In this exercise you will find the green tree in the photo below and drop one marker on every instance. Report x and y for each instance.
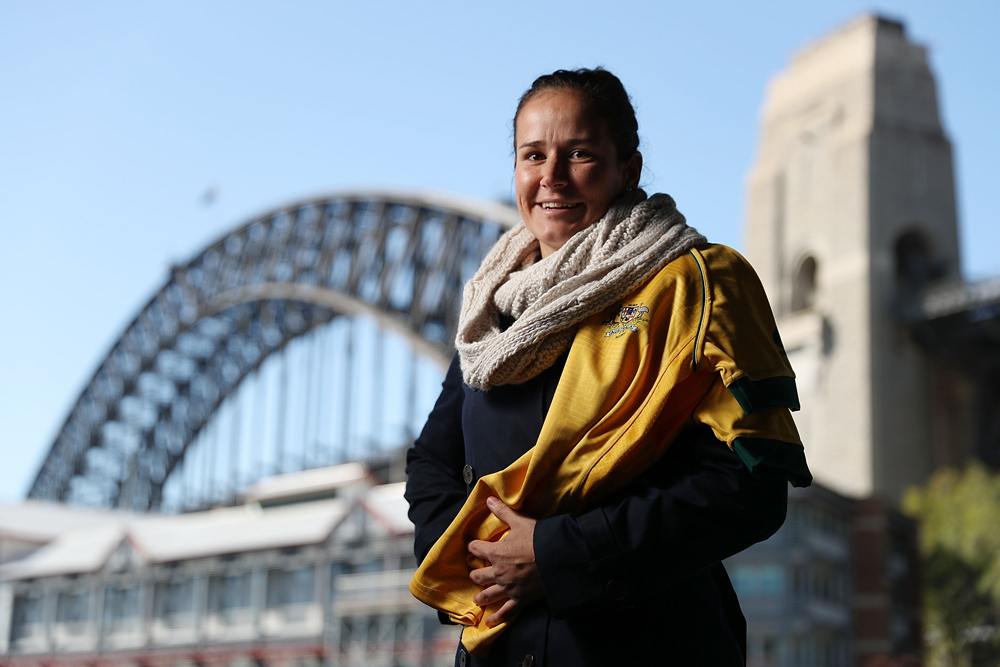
(959, 514)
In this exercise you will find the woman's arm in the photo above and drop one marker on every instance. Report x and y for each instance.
(434, 486)
(698, 505)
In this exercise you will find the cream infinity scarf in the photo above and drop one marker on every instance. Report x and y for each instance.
(548, 297)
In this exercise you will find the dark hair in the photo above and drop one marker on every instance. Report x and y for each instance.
(607, 95)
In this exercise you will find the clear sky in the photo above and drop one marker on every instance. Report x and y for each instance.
(117, 117)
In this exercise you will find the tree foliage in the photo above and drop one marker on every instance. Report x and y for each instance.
(959, 514)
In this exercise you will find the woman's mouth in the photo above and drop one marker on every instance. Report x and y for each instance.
(553, 205)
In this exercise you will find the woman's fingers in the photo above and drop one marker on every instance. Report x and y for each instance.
(511, 575)
(490, 595)
(505, 613)
(483, 576)
(480, 548)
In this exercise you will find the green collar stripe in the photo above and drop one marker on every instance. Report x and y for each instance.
(701, 318)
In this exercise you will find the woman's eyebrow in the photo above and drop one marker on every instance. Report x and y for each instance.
(575, 140)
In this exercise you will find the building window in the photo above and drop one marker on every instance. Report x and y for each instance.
(828, 584)
(173, 602)
(799, 580)
(342, 567)
(121, 608)
(26, 620)
(290, 587)
(374, 564)
(915, 267)
(72, 610)
(763, 651)
(766, 580)
(229, 596)
(804, 287)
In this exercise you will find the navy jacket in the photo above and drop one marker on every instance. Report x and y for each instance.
(634, 580)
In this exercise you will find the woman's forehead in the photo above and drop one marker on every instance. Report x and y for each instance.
(563, 112)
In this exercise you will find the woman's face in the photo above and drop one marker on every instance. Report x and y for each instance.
(566, 169)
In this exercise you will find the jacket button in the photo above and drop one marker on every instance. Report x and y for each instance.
(468, 474)
(529, 661)
(616, 590)
(463, 658)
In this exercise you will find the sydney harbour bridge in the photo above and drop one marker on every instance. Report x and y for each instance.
(314, 334)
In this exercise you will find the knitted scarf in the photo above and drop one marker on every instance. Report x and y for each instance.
(548, 297)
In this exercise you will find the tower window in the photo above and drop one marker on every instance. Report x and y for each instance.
(804, 287)
(914, 268)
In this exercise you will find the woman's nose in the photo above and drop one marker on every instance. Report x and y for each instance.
(555, 174)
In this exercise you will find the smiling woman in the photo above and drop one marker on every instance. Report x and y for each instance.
(615, 422)
(567, 169)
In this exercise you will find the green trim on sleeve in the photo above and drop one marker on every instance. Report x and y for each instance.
(774, 392)
(774, 459)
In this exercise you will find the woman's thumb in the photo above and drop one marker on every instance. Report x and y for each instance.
(499, 508)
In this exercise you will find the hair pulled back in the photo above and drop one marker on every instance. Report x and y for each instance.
(607, 97)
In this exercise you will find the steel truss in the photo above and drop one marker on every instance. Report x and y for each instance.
(398, 257)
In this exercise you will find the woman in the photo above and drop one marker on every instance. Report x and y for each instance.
(617, 413)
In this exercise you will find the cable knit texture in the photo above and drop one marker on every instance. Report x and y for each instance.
(548, 297)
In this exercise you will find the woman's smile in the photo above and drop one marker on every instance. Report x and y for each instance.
(559, 210)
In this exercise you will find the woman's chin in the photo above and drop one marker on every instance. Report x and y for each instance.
(556, 229)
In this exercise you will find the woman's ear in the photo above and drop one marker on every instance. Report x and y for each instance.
(631, 171)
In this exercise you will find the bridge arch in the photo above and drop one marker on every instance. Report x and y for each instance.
(399, 258)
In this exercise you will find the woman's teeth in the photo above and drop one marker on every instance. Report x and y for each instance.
(548, 205)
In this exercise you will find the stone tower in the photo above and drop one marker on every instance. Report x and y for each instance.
(851, 209)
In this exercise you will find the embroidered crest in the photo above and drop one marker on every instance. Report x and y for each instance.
(627, 319)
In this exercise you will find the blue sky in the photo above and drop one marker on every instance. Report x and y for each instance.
(115, 119)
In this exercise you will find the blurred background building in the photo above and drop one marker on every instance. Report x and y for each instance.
(225, 490)
(310, 568)
(852, 227)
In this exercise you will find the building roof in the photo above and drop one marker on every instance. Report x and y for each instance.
(75, 552)
(235, 530)
(41, 522)
(316, 483)
(387, 504)
(166, 538)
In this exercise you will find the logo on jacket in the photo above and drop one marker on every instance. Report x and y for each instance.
(626, 319)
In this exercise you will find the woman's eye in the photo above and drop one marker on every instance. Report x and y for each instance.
(579, 154)
(534, 156)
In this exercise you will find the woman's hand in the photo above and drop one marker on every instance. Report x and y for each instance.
(512, 574)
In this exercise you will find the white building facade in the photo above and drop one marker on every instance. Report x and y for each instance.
(277, 581)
